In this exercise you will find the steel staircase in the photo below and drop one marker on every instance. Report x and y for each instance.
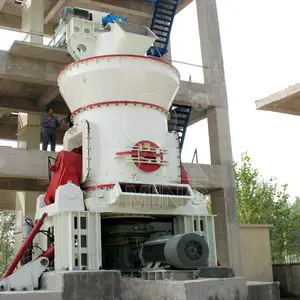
(162, 21)
(179, 120)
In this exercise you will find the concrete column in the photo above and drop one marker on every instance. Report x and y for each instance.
(25, 207)
(33, 20)
(29, 137)
(29, 131)
(223, 201)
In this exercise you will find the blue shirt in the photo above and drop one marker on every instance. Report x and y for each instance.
(53, 123)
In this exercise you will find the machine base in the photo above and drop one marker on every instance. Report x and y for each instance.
(109, 285)
(206, 289)
(85, 285)
(204, 272)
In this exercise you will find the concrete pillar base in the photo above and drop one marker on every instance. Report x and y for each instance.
(84, 285)
(204, 289)
(40, 295)
(263, 290)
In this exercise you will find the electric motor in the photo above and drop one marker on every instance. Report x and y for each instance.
(122, 240)
(183, 251)
(70, 12)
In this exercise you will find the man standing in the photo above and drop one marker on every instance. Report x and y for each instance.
(49, 124)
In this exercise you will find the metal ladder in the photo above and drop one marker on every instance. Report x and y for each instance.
(179, 120)
(162, 21)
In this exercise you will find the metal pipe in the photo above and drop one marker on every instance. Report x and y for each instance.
(25, 246)
(49, 253)
(184, 63)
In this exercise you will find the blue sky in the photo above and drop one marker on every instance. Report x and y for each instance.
(260, 40)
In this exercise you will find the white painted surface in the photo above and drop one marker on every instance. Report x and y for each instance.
(86, 38)
(118, 127)
(118, 78)
(26, 277)
(24, 163)
(68, 197)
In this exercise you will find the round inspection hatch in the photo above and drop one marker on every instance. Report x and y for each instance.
(147, 156)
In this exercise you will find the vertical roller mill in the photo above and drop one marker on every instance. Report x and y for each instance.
(117, 198)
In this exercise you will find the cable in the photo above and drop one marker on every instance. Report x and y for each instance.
(45, 232)
(26, 220)
(38, 248)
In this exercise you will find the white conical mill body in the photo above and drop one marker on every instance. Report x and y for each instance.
(125, 99)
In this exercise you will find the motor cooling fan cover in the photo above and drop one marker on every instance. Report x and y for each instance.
(186, 251)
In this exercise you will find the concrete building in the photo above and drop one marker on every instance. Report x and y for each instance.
(28, 72)
(285, 101)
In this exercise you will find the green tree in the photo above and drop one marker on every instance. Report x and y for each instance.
(296, 205)
(7, 228)
(296, 232)
(262, 201)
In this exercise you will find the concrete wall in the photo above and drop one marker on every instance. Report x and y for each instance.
(256, 252)
(289, 277)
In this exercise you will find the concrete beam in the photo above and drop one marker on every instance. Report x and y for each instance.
(53, 11)
(32, 164)
(44, 72)
(22, 185)
(285, 101)
(32, 63)
(48, 96)
(40, 52)
(8, 21)
(188, 92)
(16, 65)
(28, 70)
(16, 104)
(196, 116)
(7, 200)
(182, 4)
(4, 112)
(199, 95)
(133, 10)
(21, 163)
(2, 3)
(9, 132)
(204, 177)
(136, 11)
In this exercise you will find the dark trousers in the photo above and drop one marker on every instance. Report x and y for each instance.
(49, 136)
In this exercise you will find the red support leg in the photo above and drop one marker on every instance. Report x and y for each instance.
(49, 253)
(25, 246)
